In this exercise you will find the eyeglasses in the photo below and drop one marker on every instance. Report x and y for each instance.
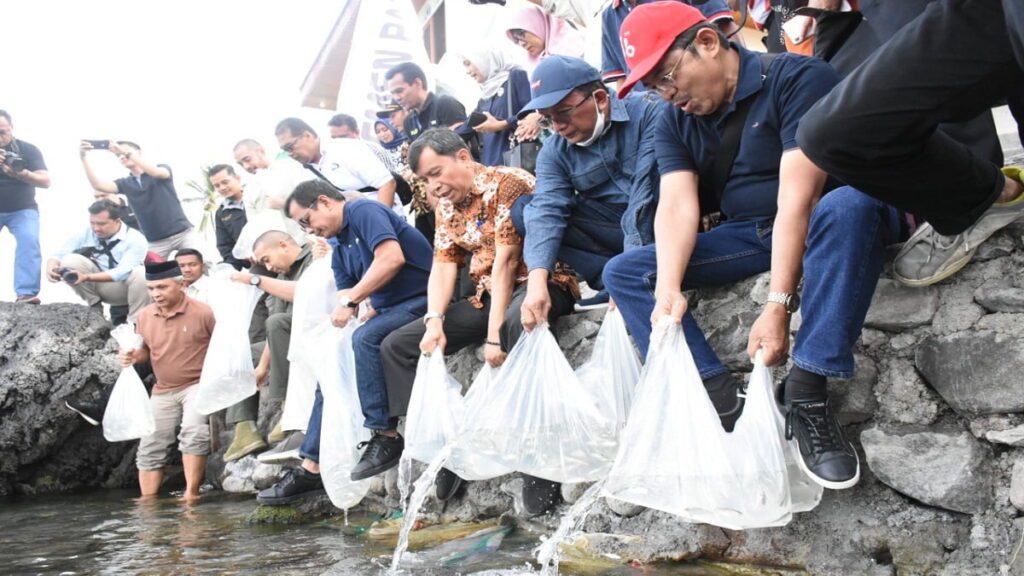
(518, 35)
(304, 221)
(289, 147)
(561, 116)
(668, 81)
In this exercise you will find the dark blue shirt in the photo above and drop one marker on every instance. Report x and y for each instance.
(613, 64)
(365, 224)
(155, 203)
(15, 194)
(689, 142)
(496, 143)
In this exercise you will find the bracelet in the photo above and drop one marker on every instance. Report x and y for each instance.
(492, 343)
(431, 315)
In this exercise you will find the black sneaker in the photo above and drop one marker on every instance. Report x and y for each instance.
(446, 484)
(729, 401)
(595, 302)
(826, 455)
(382, 454)
(91, 410)
(539, 495)
(297, 483)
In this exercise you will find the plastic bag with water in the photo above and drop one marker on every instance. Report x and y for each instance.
(128, 414)
(435, 409)
(312, 304)
(472, 464)
(341, 428)
(228, 375)
(674, 455)
(540, 419)
(613, 370)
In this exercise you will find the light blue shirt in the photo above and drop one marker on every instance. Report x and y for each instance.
(128, 253)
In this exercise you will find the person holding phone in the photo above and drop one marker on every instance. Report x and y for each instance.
(505, 89)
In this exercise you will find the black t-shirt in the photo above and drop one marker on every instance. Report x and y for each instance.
(155, 203)
(15, 194)
(439, 110)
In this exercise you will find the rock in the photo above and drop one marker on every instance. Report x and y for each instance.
(975, 372)
(1017, 485)
(897, 307)
(1011, 437)
(995, 247)
(996, 298)
(623, 508)
(854, 399)
(956, 317)
(902, 396)
(49, 354)
(571, 492)
(945, 469)
(238, 475)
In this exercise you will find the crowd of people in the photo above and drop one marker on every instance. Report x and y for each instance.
(707, 163)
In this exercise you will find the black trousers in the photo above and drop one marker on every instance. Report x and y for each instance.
(464, 325)
(877, 131)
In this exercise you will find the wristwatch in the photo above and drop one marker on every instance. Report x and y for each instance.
(346, 301)
(791, 302)
(431, 315)
(255, 279)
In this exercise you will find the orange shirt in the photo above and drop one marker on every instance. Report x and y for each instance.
(177, 342)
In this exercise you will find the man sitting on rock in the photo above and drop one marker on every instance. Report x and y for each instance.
(381, 259)
(176, 332)
(103, 264)
(278, 252)
(774, 218)
(473, 220)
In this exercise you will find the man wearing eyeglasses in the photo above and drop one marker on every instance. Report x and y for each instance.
(774, 218)
(596, 179)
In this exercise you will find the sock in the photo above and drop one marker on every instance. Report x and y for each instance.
(804, 386)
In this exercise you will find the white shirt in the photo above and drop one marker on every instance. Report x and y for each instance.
(351, 165)
(200, 289)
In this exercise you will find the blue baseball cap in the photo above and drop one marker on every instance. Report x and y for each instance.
(554, 78)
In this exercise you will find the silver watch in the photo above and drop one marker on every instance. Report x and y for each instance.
(791, 302)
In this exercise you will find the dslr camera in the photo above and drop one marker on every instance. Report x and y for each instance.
(69, 275)
(16, 162)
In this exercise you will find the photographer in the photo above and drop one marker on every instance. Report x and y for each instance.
(103, 264)
(22, 170)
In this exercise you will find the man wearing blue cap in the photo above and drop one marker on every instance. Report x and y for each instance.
(596, 179)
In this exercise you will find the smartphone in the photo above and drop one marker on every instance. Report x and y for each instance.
(99, 144)
(477, 118)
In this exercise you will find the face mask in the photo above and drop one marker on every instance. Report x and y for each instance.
(599, 129)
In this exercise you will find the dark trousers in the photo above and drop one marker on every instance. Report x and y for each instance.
(464, 325)
(877, 131)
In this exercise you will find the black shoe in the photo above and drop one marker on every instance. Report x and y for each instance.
(91, 410)
(297, 483)
(826, 455)
(539, 495)
(382, 454)
(595, 302)
(729, 401)
(446, 484)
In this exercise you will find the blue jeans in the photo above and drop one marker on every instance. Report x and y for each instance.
(593, 235)
(28, 260)
(373, 392)
(845, 249)
(311, 444)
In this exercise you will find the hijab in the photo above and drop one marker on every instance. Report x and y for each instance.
(495, 65)
(398, 138)
(558, 36)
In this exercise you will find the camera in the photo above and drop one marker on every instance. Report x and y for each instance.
(99, 144)
(16, 162)
(69, 275)
(481, 2)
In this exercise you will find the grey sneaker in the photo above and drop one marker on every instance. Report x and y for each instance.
(285, 451)
(929, 257)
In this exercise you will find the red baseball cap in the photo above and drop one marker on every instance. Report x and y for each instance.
(648, 32)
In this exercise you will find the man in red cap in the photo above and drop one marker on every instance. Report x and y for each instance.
(728, 146)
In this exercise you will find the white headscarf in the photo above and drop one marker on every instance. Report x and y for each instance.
(495, 66)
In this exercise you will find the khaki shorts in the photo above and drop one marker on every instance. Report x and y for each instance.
(169, 410)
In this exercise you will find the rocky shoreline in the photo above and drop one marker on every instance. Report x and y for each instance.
(935, 412)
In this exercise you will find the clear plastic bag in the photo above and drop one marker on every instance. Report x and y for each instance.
(341, 428)
(537, 420)
(228, 375)
(674, 455)
(471, 464)
(435, 409)
(613, 370)
(129, 414)
(312, 304)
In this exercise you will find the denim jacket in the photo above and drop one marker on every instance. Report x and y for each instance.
(619, 168)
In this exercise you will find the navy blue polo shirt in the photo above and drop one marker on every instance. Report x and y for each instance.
(367, 223)
(16, 194)
(156, 204)
(689, 142)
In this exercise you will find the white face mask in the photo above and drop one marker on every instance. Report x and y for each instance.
(599, 128)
